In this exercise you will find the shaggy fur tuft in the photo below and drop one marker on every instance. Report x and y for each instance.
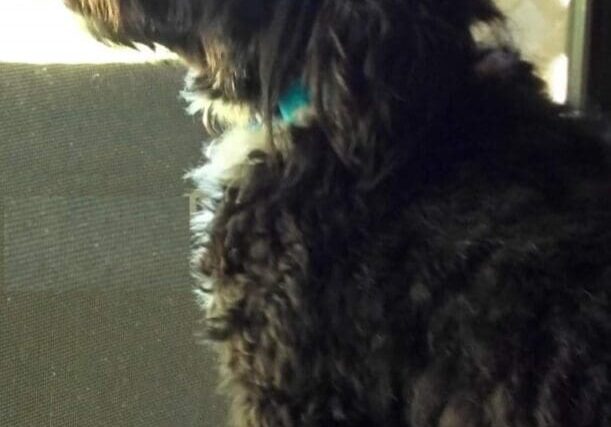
(429, 244)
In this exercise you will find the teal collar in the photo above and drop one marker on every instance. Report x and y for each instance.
(292, 100)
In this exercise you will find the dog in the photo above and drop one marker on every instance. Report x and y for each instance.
(398, 227)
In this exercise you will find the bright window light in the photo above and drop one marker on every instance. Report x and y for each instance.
(558, 78)
(45, 32)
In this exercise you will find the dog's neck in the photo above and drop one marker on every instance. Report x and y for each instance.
(227, 155)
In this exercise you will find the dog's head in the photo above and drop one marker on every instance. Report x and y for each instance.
(360, 61)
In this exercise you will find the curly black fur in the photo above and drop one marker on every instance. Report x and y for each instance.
(431, 247)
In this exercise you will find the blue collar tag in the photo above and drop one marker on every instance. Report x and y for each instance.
(292, 100)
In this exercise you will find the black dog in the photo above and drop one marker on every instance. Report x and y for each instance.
(399, 228)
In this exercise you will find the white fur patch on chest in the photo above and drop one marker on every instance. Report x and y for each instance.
(225, 161)
(226, 155)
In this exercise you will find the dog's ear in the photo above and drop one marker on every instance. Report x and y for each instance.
(166, 22)
(379, 72)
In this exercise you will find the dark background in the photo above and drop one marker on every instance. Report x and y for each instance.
(599, 82)
(97, 317)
